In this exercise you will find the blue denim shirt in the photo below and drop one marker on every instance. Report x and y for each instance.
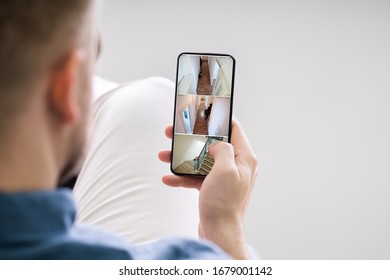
(41, 225)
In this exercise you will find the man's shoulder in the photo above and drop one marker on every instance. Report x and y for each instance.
(89, 242)
(50, 232)
(179, 248)
(106, 245)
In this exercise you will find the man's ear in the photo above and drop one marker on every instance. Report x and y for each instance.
(62, 90)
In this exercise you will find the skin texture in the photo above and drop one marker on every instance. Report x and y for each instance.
(224, 193)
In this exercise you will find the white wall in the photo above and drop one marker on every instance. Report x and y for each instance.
(184, 101)
(187, 148)
(219, 117)
(312, 92)
(226, 69)
(213, 68)
(189, 65)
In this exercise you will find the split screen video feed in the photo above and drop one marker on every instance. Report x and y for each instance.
(203, 108)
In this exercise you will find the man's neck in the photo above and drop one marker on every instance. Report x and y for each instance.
(26, 161)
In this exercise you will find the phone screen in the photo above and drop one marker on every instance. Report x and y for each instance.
(203, 110)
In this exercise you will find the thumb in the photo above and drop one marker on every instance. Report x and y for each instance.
(223, 154)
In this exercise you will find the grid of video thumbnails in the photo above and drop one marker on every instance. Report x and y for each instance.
(203, 104)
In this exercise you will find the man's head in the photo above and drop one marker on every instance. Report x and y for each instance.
(47, 53)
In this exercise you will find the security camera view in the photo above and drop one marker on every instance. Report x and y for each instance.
(203, 110)
(191, 154)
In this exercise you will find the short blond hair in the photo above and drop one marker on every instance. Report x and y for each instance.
(33, 35)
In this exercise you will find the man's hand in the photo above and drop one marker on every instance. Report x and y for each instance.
(224, 192)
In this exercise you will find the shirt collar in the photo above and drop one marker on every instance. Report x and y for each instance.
(32, 216)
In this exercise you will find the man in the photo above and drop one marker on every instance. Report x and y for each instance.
(47, 54)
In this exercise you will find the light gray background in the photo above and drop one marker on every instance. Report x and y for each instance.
(313, 93)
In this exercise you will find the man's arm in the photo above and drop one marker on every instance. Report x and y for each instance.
(224, 193)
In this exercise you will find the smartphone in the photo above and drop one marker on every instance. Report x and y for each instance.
(203, 110)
